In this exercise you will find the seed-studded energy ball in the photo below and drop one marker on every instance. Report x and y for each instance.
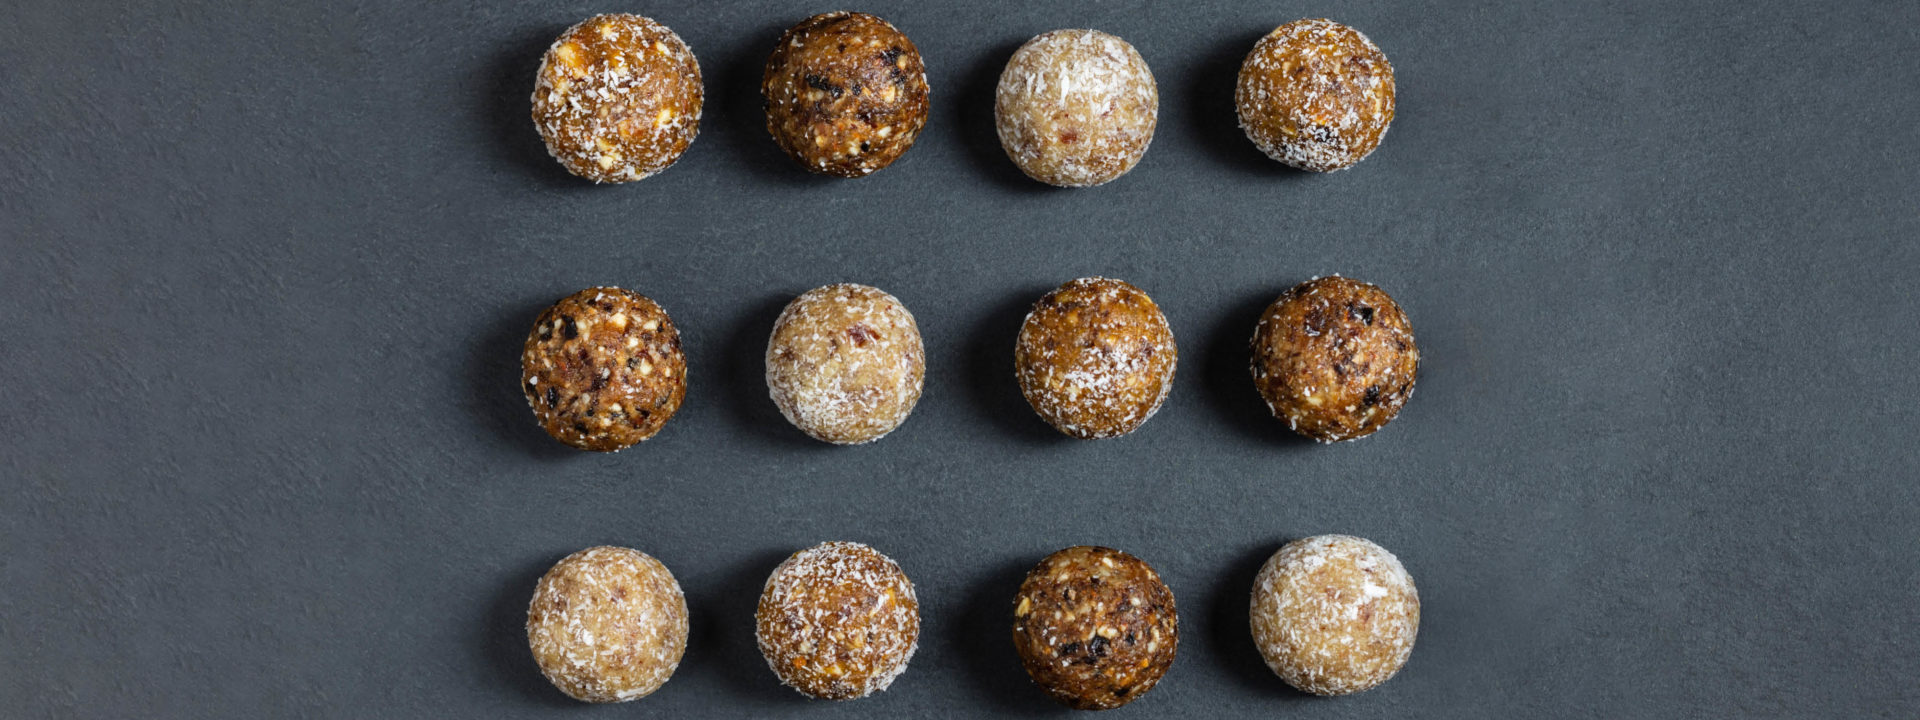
(618, 98)
(845, 363)
(838, 621)
(1335, 358)
(1316, 95)
(607, 624)
(1334, 614)
(603, 370)
(846, 93)
(1095, 358)
(1095, 627)
(1076, 107)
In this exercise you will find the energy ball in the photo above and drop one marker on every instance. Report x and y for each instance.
(607, 624)
(1095, 627)
(618, 98)
(845, 363)
(1076, 108)
(838, 621)
(603, 370)
(846, 93)
(1095, 358)
(1316, 95)
(1335, 358)
(1334, 614)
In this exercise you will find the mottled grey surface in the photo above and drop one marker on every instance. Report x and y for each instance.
(267, 267)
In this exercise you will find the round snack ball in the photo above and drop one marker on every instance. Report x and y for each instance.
(1076, 108)
(1335, 358)
(607, 624)
(1095, 627)
(618, 98)
(603, 370)
(838, 621)
(1334, 614)
(846, 93)
(845, 363)
(1095, 358)
(1316, 95)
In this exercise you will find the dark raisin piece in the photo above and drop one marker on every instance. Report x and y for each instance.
(1373, 396)
(1072, 648)
(1097, 647)
(1361, 312)
(568, 328)
(553, 396)
(1130, 639)
(820, 83)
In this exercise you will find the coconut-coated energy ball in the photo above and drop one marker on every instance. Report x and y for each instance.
(603, 370)
(838, 621)
(1076, 107)
(1095, 627)
(1335, 358)
(1095, 358)
(1316, 95)
(846, 93)
(618, 98)
(607, 624)
(1334, 614)
(845, 363)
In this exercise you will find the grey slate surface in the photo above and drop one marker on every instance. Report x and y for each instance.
(267, 266)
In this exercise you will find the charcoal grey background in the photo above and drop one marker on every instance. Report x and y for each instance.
(268, 266)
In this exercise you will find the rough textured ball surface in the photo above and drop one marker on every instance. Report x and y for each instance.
(838, 621)
(1095, 358)
(607, 624)
(1095, 627)
(618, 98)
(1076, 107)
(1335, 358)
(1334, 614)
(846, 93)
(1316, 95)
(845, 363)
(603, 369)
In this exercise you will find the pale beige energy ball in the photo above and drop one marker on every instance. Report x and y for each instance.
(607, 624)
(845, 363)
(1334, 614)
(1076, 108)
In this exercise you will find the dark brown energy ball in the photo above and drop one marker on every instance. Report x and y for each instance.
(1334, 614)
(618, 98)
(603, 370)
(845, 363)
(1335, 358)
(607, 624)
(1316, 95)
(846, 93)
(838, 621)
(1095, 627)
(1076, 108)
(1095, 358)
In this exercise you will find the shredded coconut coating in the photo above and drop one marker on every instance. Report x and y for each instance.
(846, 93)
(845, 363)
(838, 621)
(1316, 95)
(1076, 108)
(1095, 358)
(602, 369)
(1334, 614)
(1096, 628)
(1335, 358)
(607, 624)
(618, 98)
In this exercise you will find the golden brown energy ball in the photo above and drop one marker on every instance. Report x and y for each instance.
(845, 363)
(1095, 627)
(1334, 614)
(607, 624)
(838, 621)
(1076, 107)
(1095, 358)
(1316, 95)
(1335, 358)
(603, 370)
(618, 98)
(846, 93)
